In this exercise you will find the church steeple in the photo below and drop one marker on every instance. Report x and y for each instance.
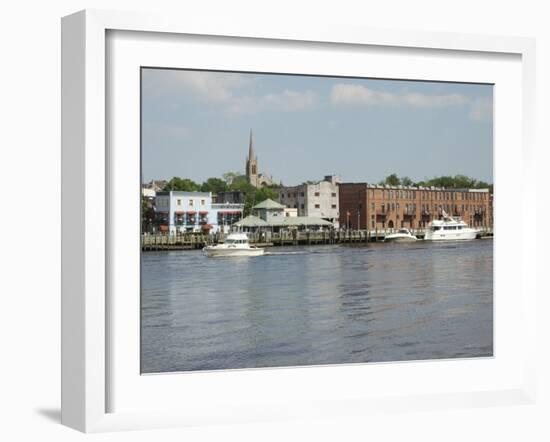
(252, 164)
(251, 154)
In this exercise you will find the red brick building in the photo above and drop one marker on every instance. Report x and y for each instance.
(378, 207)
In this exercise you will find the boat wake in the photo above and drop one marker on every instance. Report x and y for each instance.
(302, 252)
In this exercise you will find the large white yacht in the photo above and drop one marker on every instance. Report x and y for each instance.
(236, 244)
(449, 229)
(402, 235)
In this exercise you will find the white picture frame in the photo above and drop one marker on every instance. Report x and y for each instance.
(87, 355)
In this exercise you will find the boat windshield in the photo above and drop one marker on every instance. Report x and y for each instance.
(235, 241)
(434, 228)
(403, 231)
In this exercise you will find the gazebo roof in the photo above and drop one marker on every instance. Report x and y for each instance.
(268, 204)
(251, 221)
(301, 221)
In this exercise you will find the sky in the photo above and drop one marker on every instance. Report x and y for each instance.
(196, 124)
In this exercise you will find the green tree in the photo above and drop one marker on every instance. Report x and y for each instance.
(273, 186)
(456, 182)
(406, 181)
(182, 184)
(256, 196)
(240, 183)
(229, 177)
(147, 214)
(265, 193)
(391, 180)
(214, 185)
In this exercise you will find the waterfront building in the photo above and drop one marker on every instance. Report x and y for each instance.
(378, 207)
(269, 210)
(148, 193)
(223, 215)
(319, 200)
(230, 196)
(291, 211)
(272, 216)
(150, 189)
(251, 224)
(180, 212)
(305, 223)
(252, 168)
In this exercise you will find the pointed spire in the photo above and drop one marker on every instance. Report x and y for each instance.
(251, 155)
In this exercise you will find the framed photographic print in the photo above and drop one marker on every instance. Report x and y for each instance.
(311, 271)
(270, 223)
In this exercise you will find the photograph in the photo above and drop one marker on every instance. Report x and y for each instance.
(292, 220)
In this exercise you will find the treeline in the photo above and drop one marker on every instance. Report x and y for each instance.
(230, 181)
(447, 181)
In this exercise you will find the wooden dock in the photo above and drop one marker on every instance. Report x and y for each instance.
(191, 241)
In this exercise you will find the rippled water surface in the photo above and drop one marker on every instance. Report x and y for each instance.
(316, 305)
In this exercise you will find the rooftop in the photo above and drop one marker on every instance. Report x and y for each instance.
(301, 221)
(297, 221)
(401, 187)
(269, 204)
(251, 221)
(184, 193)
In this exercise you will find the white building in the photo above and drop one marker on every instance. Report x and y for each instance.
(180, 212)
(269, 215)
(291, 212)
(148, 193)
(319, 200)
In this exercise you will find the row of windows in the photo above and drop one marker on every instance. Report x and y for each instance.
(165, 202)
(427, 195)
(317, 206)
(401, 194)
(192, 219)
(302, 194)
(180, 220)
(391, 207)
(191, 203)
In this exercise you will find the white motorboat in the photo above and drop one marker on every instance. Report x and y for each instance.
(236, 244)
(402, 235)
(449, 229)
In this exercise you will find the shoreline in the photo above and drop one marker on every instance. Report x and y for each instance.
(198, 242)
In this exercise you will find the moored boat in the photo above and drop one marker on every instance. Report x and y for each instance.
(402, 235)
(236, 244)
(449, 229)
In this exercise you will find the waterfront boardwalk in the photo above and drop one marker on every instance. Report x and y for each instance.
(190, 241)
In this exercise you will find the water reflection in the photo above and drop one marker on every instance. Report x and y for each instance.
(316, 305)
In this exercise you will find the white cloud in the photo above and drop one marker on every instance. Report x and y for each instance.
(234, 94)
(357, 95)
(291, 100)
(482, 109)
(231, 91)
(205, 86)
(286, 101)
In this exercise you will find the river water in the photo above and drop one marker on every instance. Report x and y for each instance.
(316, 305)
